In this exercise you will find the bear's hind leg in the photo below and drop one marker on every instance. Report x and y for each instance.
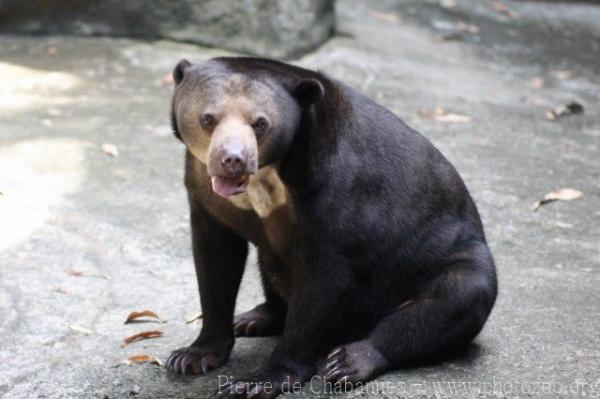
(447, 313)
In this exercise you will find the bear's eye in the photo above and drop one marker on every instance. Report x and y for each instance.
(260, 126)
(208, 121)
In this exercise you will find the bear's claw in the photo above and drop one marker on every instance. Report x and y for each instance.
(353, 363)
(190, 362)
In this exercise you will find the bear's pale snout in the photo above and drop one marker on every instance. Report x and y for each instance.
(234, 162)
(232, 158)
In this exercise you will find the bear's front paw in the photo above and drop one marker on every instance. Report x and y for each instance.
(194, 360)
(271, 384)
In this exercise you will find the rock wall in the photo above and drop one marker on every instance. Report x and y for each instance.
(272, 28)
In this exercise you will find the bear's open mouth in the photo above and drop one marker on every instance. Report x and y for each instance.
(228, 186)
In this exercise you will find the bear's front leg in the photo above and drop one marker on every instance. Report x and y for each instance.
(219, 257)
(314, 312)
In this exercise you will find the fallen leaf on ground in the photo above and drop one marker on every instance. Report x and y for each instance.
(81, 330)
(564, 194)
(453, 118)
(135, 316)
(571, 108)
(78, 273)
(441, 115)
(537, 82)
(562, 75)
(451, 36)
(143, 359)
(52, 50)
(141, 336)
(195, 317)
(384, 16)
(73, 272)
(110, 149)
(501, 8)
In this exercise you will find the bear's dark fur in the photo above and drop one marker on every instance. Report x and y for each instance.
(370, 247)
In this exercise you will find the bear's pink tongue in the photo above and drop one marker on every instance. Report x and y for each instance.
(228, 186)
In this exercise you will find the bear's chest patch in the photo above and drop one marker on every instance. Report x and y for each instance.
(264, 194)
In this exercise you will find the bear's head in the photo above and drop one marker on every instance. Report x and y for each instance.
(237, 115)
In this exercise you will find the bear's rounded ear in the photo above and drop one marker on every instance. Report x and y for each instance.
(308, 91)
(179, 70)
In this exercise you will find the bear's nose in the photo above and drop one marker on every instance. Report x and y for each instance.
(234, 163)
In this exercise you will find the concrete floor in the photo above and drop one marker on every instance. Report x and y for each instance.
(68, 207)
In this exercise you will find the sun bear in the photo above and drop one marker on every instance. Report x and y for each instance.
(371, 250)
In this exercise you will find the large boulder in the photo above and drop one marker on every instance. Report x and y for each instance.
(273, 28)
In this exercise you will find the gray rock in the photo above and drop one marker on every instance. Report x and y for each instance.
(280, 29)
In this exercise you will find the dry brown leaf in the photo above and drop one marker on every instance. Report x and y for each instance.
(195, 317)
(110, 149)
(384, 16)
(143, 359)
(141, 336)
(80, 330)
(73, 272)
(537, 82)
(451, 36)
(78, 273)
(441, 115)
(564, 194)
(135, 316)
(501, 8)
(571, 108)
(453, 118)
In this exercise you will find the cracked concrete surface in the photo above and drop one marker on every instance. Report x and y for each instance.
(68, 207)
